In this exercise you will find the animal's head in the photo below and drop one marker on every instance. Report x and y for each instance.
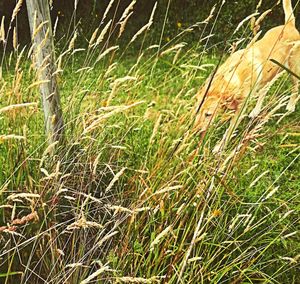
(210, 104)
(207, 111)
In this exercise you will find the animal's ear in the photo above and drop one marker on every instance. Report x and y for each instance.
(232, 104)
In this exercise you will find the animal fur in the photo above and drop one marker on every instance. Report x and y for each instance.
(248, 71)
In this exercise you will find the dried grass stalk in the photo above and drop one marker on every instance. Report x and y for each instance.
(16, 10)
(2, 30)
(174, 48)
(155, 129)
(15, 196)
(102, 117)
(103, 33)
(26, 219)
(38, 29)
(96, 274)
(244, 20)
(128, 279)
(159, 237)
(127, 10)
(107, 237)
(72, 41)
(11, 137)
(147, 26)
(125, 17)
(115, 179)
(123, 24)
(107, 10)
(107, 51)
(17, 107)
(93, 37)
(15, 39)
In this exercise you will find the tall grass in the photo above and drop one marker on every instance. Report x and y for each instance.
(133, 195)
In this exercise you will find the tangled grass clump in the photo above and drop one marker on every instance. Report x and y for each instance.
(132, 194)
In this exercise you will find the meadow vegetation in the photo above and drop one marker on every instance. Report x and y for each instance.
(132, 194)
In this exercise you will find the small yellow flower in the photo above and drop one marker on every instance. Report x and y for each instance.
(216, 213)
(168, 39)
(179, 25)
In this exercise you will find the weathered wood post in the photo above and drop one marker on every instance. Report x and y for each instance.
(44, 56)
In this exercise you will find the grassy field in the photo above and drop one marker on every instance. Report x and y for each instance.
(132, 194)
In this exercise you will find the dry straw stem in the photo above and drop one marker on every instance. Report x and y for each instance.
(115, 179)
(125, 17)
(136, 64)
(120, 81)
(258, 178)
(155, 129)
(159, 237)
(75, 4)
(271, 193)
(15, 39)
(11, 137)
(103, 33)
(38, 83)
(89, 196)
(72, 41)
(210, 16)
(115, 85)
(107, 237)
(292, 260)
(107, 10)
(55, 27)
(259, 4)
(49, 150)
(128, 279)
(120, 209)
(36, 30)
(236, 219)
(244, 20)
(28, 218)
(84, 224)
(93, 37)
(53, 175)
(196, 258)
(123, 24)
(127, 10)
(197, 232)
(167, 189)
(110, 68)
(16, 10)
(261, 17)
(95, 164)
(2, 30)
(18, 107)
(95, 124)
(147, 26)
(15, 196)
(176, 56)
(74, 265)
(104, 268)
(43, 42)
(107, 51)
(174, 48)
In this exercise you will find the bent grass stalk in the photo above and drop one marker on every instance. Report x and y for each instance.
(119, 198)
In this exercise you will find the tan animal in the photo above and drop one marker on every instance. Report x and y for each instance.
(248, 71)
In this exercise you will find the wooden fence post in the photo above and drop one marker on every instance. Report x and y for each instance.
(42, 39)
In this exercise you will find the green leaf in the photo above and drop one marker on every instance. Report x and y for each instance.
(10, 274)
